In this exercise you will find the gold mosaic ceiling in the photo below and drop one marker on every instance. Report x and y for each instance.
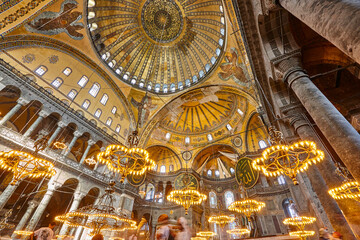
(163, 46)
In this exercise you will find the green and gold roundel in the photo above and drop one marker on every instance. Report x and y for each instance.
(245, 174)
(182, 180)
(136, 180)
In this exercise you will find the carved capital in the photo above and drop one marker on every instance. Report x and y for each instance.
(22, 101)
(77, 134)
(61, 124)
(269, 6)
(78, 196)
(91, 142)
(295, 115)
(43, 113)
(33, 204)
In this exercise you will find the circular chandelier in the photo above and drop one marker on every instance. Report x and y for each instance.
(302, 234)
(238, 231)
(23, 165)
(186, 197)
(98, 217)
(221, 220)
(299, 222)
(23, 233)
(247, 207)
(285, 159)
(127, 161)
(198, 238)
(205, 234)
(4, 222)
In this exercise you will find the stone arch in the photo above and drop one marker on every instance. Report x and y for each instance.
(255, 131)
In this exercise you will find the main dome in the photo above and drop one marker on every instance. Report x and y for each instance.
(162, 46)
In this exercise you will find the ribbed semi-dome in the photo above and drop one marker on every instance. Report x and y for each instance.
(163, 46)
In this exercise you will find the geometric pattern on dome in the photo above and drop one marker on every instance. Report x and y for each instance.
(201, 111)
(162, 46)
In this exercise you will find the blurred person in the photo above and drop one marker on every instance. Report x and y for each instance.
(98, 237)
(324, 234)
(337, 236)
(163, 232)
(185, 233)
(44, 233)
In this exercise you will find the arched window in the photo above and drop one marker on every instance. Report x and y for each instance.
(83, 81)
(114, 110)
(168, 136)
(41, 70)
(217, 173)
(163, 169)
(117, 129)
(98, 113)
(290, 208)
(94, 90)
(86, 104)
(155, 168)
(104, 99)
(209, 173)
(229, 198)
(57, 82)
(187, 140)
(67, 71)
(240, 112)
(209, 137)
(281, 180)
(228, 127)
(262, 144)
(213, 200)
(109, 121)
(171, 168)
(232, 171)
(72, 94)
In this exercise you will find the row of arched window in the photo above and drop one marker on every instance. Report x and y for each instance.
(163, 168)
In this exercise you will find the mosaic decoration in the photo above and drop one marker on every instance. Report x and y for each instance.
(144, 108)
(136, 180)
(28, 58)
(53, 23)
(163, 46)
(53, 59)
(233, 68)
(6, 4)
(245, 173)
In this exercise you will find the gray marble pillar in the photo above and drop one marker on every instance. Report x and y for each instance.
(322, 177)
(42, 115)
(32, 205)
(6, 194)
(42, 206)
(344, 139)
(337, 21)
(61, 125)
(78, 196)
(77, 134)
(20, 102)
(90, 144)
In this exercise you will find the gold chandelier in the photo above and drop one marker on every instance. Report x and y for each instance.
(24, 165)
(205, 234)
(127, 161)
(4, 222)
(23, 233)
(302, 234)
(238, 231)
(247, 207)
(186, 197)
(285, 159)
(98, 217)
(221, 220)
(198, 238)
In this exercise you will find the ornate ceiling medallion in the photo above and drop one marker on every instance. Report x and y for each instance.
(163, 46)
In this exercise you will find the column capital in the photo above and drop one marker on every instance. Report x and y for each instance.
(78, 196)
(77, 134)
(33, 203)
(295, 113)
(52, 186)
(61, 124)
(91, 142)
(43, 113)
(22, 101)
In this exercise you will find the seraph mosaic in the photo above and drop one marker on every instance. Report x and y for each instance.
(52, 23)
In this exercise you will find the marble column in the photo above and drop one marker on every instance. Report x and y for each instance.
(61, 125)
(322, 177)
(42, 206)
(78, 196)
(90, 144)
(32, 205)
(42, 115)
(344, 139)
(20, 102)
(77, 134)
(336, 20)
(6, 194)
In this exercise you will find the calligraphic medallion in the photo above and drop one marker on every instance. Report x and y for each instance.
(136, 180)
(245, 173)
(184, 180)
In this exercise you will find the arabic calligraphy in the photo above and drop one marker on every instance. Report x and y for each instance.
(245, 174)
